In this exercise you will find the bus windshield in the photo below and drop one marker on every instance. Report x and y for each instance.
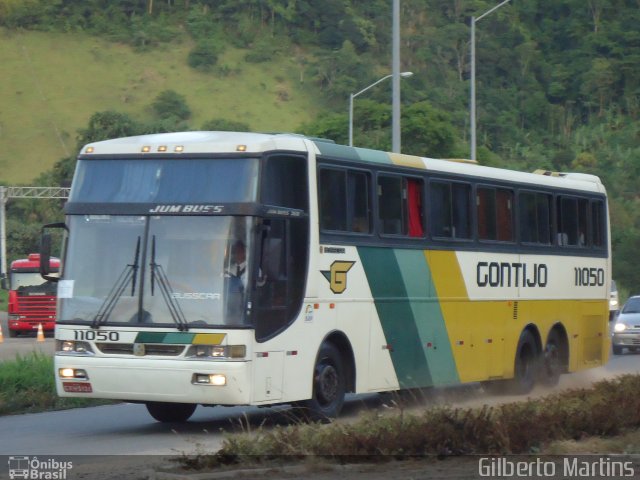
(187, 271)
(165, 181)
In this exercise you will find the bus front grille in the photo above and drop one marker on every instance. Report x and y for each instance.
(150, 349)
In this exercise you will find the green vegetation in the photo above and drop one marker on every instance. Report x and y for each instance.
(53, 83)
(27, 385)
(558, 83)
(609, 409)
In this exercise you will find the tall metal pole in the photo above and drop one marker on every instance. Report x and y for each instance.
(472, 121)
(472, 109)
(351, 119)
(3, 231)
(354, 95)
(395, 71)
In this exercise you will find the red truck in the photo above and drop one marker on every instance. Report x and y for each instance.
(32, 300)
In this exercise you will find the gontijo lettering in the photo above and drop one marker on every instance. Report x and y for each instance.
(505, 274)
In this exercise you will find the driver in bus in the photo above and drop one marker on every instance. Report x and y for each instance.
(238, 268)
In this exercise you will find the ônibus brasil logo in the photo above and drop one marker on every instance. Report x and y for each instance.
(36, 469)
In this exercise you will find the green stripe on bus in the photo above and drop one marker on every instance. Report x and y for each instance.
(428, 316)
(374, 156)
(165, 337)
(396, 316)
(337, 151)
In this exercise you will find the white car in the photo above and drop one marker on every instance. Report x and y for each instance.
(626, 330)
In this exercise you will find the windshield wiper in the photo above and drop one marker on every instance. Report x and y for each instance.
(128, 274)
(165, 288)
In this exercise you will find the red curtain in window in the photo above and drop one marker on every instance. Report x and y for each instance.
(414, 193)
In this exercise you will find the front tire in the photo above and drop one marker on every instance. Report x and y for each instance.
(171, 412)
(329, 385)
(525, 368)
(617, 350)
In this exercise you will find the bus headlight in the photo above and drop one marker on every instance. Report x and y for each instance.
(72, 347)
(215, 379)
(77, 373)
(216, 351)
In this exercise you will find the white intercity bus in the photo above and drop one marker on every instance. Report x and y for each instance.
(218, 268)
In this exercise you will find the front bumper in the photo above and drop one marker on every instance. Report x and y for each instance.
(626, 339)
(30, 325)
(154, 380)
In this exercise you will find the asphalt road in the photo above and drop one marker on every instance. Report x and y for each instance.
(128, 429)
(23, 345)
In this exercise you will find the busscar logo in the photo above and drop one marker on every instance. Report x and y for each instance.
(337, 276)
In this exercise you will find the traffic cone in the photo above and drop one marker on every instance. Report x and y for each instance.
(40, 336)
(1, 337)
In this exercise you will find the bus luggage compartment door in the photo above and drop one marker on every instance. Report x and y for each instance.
(267, 371)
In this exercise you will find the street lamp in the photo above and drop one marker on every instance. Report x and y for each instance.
(473, 75)
(354, 95)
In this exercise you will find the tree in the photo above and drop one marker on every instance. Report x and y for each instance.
(330, 126)
(223, 125)
(170, 104)
(204, 55)
(427, 131)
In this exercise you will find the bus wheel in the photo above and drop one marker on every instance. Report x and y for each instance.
(552, 361)
(525, 365)
(329, 385)
(171, 412)
(13, 333)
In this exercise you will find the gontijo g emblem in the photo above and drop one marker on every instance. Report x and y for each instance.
(337, 276)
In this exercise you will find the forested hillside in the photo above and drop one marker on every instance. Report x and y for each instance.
(558, 81)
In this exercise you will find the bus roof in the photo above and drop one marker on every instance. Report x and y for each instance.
(184, 143)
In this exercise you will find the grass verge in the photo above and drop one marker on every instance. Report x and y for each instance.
(27, 385)
(610, 408)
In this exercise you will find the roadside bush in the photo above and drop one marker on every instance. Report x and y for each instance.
(27, 385)
(609, 408)
(204, 55)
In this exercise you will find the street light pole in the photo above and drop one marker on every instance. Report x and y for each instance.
(472, 110)
(354, 95)
(395, 82)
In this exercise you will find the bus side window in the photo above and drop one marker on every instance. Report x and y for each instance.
(332, 199)
(440, 204)
(285, 182)
(344, 200)
(392, 205)
(495, 214)
(534, 213)
(598, 227)
(451, 209)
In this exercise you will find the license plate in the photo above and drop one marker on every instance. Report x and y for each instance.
(77, 387)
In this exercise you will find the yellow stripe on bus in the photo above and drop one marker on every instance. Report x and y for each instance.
(407, 160)
(209, 338)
